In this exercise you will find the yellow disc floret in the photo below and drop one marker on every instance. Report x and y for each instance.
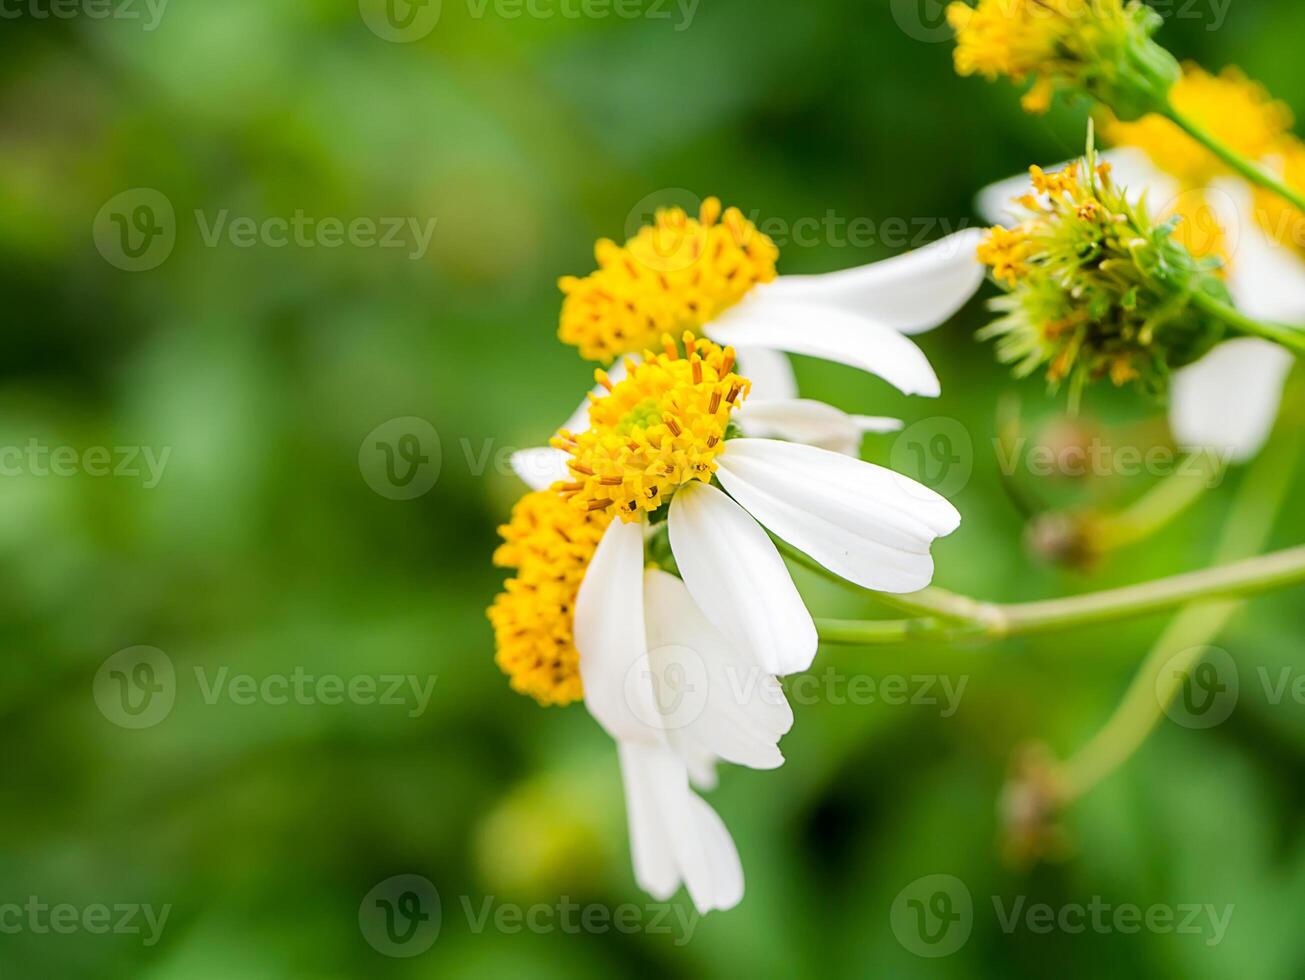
(674, 275)
(1238, 112)
(657, 430)
(549, 543)
(1011, 38)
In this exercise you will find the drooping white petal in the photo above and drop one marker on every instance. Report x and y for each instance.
(674, 835)
(1130, 168)
(910, 293)
(811, 422)
(770, 371)
(725, 704)
(868, 524)
(540, 468)
(761, 320)
(611, 638)
(1228, 401)
(738, 579)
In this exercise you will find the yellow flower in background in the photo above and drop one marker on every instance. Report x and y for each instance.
(1099, 48)
(1238, 112)
(549, 544)
(1282, 222)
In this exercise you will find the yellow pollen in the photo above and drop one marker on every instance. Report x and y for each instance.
(659, 429)
(1237, 111)
(1007, 252)
(675, 275)
(1017, 39)
(549, 544)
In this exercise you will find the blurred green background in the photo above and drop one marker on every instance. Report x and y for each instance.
(264, 550)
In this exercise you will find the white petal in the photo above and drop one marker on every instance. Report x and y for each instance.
(725, 705)
(911, 293)
(1267, 279)
(540, 468)
(822, 331)
(870, 525)
(738, 579)
(770, 371)
(1227, 401)
(811, 422)
(674, 835)
(1130, 168)
(611, 639)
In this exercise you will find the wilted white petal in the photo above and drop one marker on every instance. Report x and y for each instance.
(811, 422)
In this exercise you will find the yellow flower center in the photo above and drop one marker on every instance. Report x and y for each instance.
(1007, 251)
(549, 544)
(659, 429)
(1236, 111)
(674, 275)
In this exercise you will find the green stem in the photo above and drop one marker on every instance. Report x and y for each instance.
(1253, 172)
(996, 621)
(1185, 641)
(1290, 337)
(1159, 506)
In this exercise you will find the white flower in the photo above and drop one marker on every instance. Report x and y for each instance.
(653, 436)
(1228, 401)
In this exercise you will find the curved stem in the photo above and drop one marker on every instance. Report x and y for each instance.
(1159, 506)
(1253, 172)
(1290, 337)
(995, 621)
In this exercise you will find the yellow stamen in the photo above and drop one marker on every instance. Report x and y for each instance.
(675, 275)
(659, 429)
(550, 544)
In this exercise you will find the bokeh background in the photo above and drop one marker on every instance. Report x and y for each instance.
(264, 548)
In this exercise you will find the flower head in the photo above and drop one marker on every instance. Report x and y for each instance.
(675, 275)
(1101, 48)
(655, 431)
(1096, 289)
(549, 545)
